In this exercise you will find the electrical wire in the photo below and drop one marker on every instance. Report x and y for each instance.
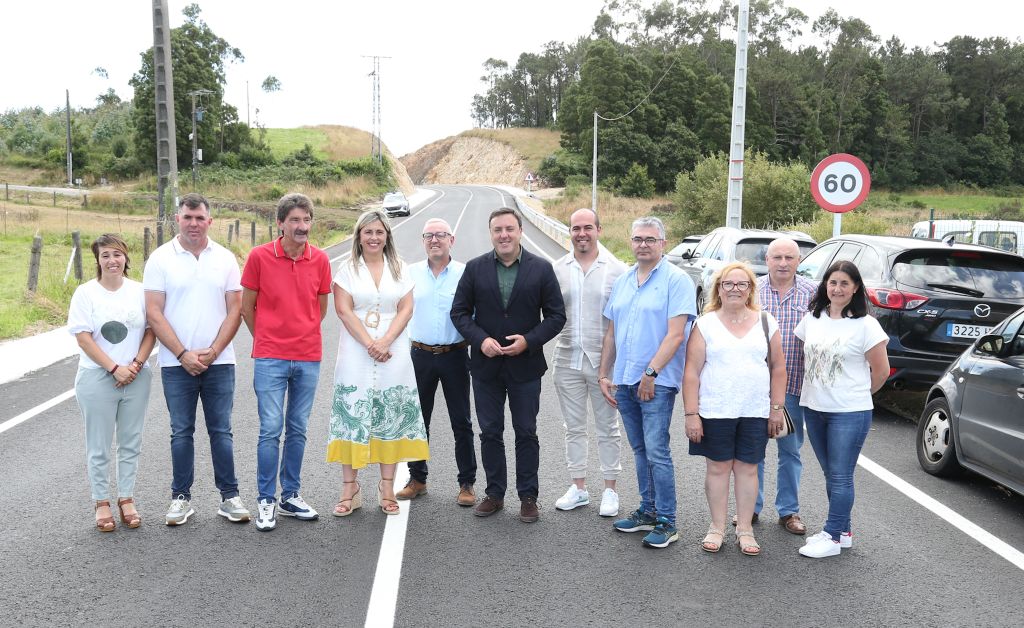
(645, 98)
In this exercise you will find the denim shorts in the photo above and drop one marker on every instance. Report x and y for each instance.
(744, 439)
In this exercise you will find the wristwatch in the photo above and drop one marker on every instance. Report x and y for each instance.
(776, 406)
(650, 372)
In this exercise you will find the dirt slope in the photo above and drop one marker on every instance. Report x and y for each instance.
(464, 159)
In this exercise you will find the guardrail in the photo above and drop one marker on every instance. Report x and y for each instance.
(549, 226)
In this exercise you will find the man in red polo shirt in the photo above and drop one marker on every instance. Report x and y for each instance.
(284, 299)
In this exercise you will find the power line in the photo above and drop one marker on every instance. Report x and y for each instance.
(645, 98)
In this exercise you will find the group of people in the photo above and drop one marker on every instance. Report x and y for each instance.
(628, 340)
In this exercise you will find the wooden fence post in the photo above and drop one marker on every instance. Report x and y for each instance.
(54, 199)
(33, 265)
(76, 238)
(238, 230)
(253, 229)
(7, 191)
(231, 229)
(270, 230)
(147, 238)
(85, 200)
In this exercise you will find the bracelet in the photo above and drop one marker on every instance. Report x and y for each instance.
(138, 362)
(691, 414)
(604, 377)
(178, 357)
(113, 370)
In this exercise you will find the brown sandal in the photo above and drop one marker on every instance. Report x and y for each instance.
(346, 507)
(749, 548)
(132, 520)
(104, 524)
(387, 506)
(793, 524)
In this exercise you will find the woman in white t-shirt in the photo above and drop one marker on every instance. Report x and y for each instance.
(108, 319)
(732, 401)
(844, 364)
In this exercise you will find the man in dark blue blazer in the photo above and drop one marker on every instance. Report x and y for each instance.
(508, 304)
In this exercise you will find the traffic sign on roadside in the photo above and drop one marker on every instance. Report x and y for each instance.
(840, 183)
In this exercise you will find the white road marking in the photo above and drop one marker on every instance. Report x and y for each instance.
(346, 254)
(458, 222)
(958, 521)
(536, 248)
(43, 407)
(380, 612)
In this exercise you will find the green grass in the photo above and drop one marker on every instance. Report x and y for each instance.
(283, 142)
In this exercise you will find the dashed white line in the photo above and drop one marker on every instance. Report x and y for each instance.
(346, 254)
(998, 546)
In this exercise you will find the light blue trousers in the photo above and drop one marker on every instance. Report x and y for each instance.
(108, 410)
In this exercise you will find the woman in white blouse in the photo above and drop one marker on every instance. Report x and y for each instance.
(108, 319)
(733, 402)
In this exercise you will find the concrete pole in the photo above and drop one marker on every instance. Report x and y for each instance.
(734, 206)
(593, 184)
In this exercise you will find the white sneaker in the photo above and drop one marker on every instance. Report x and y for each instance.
(265, 519)
(815, 537)
(573, 498)
(179, 512)
(846, 540)
(609, 503)
(233, 510)
(820, 546)
(298, 508)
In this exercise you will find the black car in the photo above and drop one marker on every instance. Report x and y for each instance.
(972, 418)
(933, 298)
(725, 245)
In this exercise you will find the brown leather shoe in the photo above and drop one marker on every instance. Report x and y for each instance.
(528, 512)
(793, 524)
(413, 488)
(466, 495)
(488, 506)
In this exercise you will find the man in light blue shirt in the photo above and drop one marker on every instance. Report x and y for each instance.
(649, 312)
(440, 355)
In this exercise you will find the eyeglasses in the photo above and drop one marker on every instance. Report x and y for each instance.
(648, 241)
(736, 285)
(440, 235)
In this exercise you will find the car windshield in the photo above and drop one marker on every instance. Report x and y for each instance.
(965, 272)
(754, 251)
(393, 198)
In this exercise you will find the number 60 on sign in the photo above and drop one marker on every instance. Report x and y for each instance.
(840, 183)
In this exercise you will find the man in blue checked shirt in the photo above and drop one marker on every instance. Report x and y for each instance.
(649, 312)
(440, 355)
(786, 295)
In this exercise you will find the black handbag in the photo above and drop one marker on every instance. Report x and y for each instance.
(787, 422)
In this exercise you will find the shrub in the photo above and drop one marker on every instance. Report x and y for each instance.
(557, 167)
(636, 183)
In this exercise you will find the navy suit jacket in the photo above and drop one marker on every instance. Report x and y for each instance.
(478, 314)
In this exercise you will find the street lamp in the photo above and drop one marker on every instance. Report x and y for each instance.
(195, 136)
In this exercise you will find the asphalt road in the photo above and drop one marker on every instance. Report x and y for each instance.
(908, 566)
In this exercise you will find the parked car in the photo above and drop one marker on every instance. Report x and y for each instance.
(932, 298)
(685, 247)
(1007, 235)
(395, 204)
(728, 244)
(972, 419)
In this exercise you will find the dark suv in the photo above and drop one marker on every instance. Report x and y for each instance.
(933, 298)
(728, 244)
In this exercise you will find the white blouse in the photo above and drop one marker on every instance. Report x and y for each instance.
(735, 381)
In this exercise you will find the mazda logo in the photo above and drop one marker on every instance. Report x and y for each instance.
(982, 310)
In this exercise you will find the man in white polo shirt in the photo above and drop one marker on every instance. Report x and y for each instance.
(193, 304)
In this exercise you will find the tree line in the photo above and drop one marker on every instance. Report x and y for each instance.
(916, 116)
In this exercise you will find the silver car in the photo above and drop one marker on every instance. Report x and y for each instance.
(395, 204)
(725, 245)
(974, 414)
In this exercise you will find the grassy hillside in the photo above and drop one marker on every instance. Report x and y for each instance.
(533, 144)
(328, 141)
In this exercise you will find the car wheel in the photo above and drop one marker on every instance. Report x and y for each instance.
(701, 302)
(936, 449)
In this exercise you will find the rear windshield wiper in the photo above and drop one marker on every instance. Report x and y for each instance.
(972, 292)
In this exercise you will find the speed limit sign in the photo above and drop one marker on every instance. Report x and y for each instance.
(840, 183)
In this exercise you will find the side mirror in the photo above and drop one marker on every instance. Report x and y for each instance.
(991, 344)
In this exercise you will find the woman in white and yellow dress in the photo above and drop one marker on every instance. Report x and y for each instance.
(375, 414)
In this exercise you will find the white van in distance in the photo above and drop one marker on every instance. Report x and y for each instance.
(1007, 235)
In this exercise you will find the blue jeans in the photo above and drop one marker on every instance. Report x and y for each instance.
(646, 424)
(837, 438)
(272, 379)
(216, 387)
(787, 487)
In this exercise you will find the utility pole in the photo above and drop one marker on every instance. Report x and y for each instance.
(166, 144)
(195, 135)
(67, 98)
(593, 184)
(734, 206)
(375, 143)
(247, 105)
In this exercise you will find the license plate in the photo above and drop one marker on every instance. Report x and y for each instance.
(959, 330)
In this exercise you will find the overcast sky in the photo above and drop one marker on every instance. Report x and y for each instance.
(315, 48)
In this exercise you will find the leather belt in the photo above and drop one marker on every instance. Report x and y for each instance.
(439, 349)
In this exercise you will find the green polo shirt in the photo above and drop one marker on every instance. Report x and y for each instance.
(507, 276)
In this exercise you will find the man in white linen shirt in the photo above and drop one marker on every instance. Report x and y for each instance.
(586, 275)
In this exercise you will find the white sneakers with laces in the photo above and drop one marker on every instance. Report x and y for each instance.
(573, 498)
(821, 545)
(609, 503)
(265, 519)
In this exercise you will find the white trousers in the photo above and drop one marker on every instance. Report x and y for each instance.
(574, 388)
